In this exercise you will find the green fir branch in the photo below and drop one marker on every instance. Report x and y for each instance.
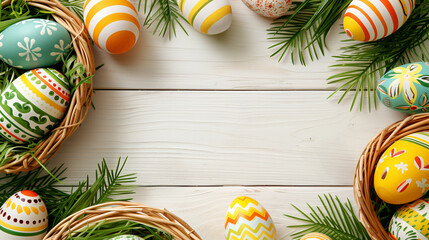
(76, 6)
(305, 31)
(365, 62)
(335, 219)
(109, 185)
(106, 230)
(163, 15)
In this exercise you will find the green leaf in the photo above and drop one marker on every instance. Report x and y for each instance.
(335, 219)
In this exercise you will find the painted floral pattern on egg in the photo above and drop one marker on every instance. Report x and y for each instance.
(23, 217)
(269, 8)
(411, 222)
(34, 43)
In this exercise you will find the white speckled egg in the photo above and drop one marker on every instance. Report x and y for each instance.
(207, 16)
(371, 20)
(23, 217)
(126, 237)
(33, 104)
(113, 24)
(411, 222)
(34, 43)
(247, 219)
(269, 8)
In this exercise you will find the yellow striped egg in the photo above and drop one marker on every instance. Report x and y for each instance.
(207, 16)
(411, 222)
(113, 24)
(315, 236)
(369, 20)
(33, 104)
(247, 219)
(23, 217)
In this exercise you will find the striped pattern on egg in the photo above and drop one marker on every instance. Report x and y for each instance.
(247, 219)
(23, 216)
(113, 24)
(207, 16)
(369, 20)
(411, 221)
(33, 104)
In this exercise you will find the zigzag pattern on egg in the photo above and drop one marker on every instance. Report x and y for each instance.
(369, 20)
(113, 24)
(247, 219)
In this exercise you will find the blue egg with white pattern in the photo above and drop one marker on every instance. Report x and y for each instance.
(34, 43)
(406, 88)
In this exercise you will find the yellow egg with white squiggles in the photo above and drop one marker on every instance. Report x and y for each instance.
(402, 173)
(23, 217)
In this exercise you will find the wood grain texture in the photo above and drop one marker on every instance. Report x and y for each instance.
(204, 208)
(236, 59)
(223, 138)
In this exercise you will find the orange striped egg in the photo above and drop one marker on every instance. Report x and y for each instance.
(113, 24)
(369, 20)
(23, 217)
(207, 16)
(315, 236)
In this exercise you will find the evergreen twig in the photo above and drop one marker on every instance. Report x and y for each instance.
(335, 219)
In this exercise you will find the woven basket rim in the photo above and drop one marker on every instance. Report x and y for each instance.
(81, 99)
(368, 160)
(121, 210)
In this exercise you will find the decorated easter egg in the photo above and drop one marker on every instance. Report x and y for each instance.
(33, 104)
(113, 24)
(34, 43)
(411, 222)
(369, 20)
(402, 172)
(207, 16)
(315, 236)
(23, 217)
(269, 8)
(126, 237)
(247, 219)
(406, 88)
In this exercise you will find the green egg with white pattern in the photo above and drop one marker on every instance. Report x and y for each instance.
(126, 237)
(33, 104)
(34, 43)
(411, 221)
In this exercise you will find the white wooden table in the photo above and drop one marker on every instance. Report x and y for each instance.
(205, 119)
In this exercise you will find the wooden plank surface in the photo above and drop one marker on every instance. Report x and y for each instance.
(224, 138)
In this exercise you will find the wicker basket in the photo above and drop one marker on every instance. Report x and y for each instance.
(80, 102)
(114, 211)
(365, 169)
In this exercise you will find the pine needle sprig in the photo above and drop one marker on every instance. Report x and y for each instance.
(104, 230)
(76, 6)
(164, 15)
(366, 62)
(335, 219)
(109, 185)
(305, 31)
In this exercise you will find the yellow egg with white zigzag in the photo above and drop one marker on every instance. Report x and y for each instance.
(207, 16)
(402, 173)
(23, 217)
(247, 219)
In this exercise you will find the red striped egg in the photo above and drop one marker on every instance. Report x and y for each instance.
(113, 24)
(369, 20)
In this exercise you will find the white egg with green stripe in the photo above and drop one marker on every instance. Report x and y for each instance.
(207, 16)
(33, 104)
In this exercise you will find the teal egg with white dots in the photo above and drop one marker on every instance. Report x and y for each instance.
(33, 104)
(126, 237)
(34, 43)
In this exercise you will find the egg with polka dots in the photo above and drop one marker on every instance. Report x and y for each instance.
(23, 217)
(33, 104)
(269, 8)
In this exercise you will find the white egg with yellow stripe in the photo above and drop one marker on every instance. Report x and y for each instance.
(23, 217)
(113, 24)
(207, 16)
